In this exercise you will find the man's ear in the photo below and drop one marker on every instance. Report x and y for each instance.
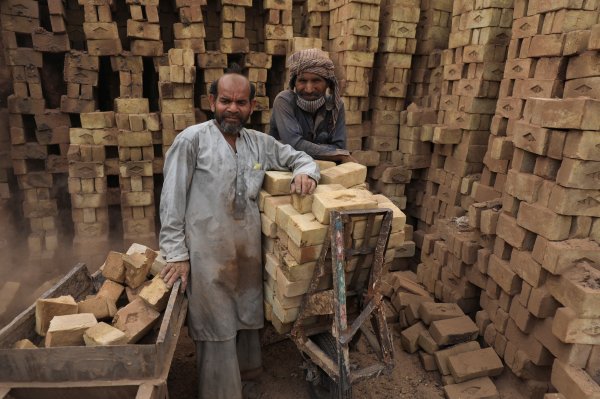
(212, 100)
(252, 105)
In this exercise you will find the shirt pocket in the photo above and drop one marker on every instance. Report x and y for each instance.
(254, 181)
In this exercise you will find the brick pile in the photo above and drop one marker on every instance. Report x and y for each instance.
(534, 208)
(397, 43)
(444, 337)
(38, 135)
(294, 228)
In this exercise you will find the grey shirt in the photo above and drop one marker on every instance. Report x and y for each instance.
(210, 216)
(296, 127)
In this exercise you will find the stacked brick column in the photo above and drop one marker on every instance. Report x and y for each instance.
(136, 154)
(391, 76)
(143, 29)
(189, 33)
(88, 180)
(176, 88)
(278, 28)
(39, 145)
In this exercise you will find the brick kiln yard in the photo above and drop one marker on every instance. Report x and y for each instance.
(477, 122)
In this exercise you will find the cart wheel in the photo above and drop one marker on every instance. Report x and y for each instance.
(323, 387)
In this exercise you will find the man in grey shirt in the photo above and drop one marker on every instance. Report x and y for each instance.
(211, 231)
(305, 116)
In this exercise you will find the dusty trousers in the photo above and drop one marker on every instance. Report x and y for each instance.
(220, 364)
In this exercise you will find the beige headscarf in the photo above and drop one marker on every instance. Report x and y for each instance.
(315, 61)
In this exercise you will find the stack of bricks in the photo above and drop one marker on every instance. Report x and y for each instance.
(136, 154)
(232, 37)
(353, 40)
(278, 26)
(473, 68)
(424, 94)
(57, 40)
(445, 339)
(189, 32)
(101, 32)
(316, 19)
(391, 76)
(38, 149)
(143, 28)
(294, 228)
(550, 178)
(81, 74)
(176, 88)
(256, 66)
(88, 186)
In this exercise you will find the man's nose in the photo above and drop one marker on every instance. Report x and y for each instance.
(309, 88)
(233, 107)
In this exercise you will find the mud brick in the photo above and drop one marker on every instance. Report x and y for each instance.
(573, 330)
(560, 256)
(501, 272)
(277, 183)
(582, 145)
(46, 309)
(137, 267)
(574, 382)
(527, 268)
(340, 200)
(574, 113)
(578, 288)
(482, 388)
(132, 105)
(521, 316)
(114, 267)
(588, 87)
(103, 334)
(410, 336)
(430, 311)
(111, 290)
(574, 354)
(541, 304)
(305, 230)
(453, 331)
(575, 173)
(68, 330)
(568, 201)
(156, 294)
(442, 356)
(474, 364)
(135, 320)
(523, 186)
(555, 227)
(512, 233)
(347, 174)
(426, 342)
(100, 30)
(100, 306)
(582, 66)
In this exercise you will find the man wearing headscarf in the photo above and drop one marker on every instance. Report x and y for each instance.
(307, 116)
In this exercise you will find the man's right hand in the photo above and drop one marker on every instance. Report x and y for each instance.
(174, 270)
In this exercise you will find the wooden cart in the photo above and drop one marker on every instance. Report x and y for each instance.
(353, 301)
(123, 371)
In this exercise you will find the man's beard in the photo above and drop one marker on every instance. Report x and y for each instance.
(228, 127)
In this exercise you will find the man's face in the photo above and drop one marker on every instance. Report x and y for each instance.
(232, 106)
(310, 86)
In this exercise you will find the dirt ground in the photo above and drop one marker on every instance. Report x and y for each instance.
(283, 377)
